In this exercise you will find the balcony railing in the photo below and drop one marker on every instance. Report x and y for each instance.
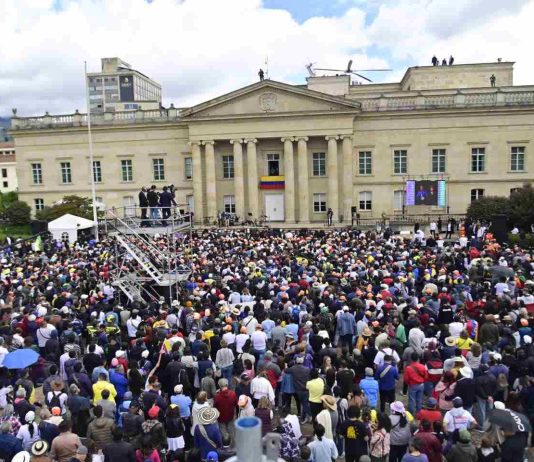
(459, 100)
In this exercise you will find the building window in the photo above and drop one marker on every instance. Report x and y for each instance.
(97, 171)
(129, 206)
(365, 163)
(229, 204)
(127, 170)
(517, 159)
(273, 164)
(4, 173)
(39, 204)
(159, 169)
(37, 174)
(398, 199)
(5, 184)
(319, 164)
(400, 161)
(476, 194)
(366, 200)
(514, 190)
(99, 202)
(478, 159)
(188, 168)
(319, 202)
(228, 167)
(438, 160)
(66, 174)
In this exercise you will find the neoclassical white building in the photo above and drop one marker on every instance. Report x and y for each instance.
(293, 151)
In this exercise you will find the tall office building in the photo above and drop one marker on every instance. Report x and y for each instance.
(119, 87)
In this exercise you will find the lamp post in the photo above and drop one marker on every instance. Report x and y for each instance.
(91, 163)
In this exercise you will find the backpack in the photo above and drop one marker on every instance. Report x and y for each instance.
(55, 401)
(238, 365)
(272, 378)
(183, 379)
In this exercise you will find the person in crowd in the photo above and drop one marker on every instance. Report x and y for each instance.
(322, 448)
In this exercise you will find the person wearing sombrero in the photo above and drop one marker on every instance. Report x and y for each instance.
(207, 434)
(328, 417)
(39, 451)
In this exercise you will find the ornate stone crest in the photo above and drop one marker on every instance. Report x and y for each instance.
(268, 102)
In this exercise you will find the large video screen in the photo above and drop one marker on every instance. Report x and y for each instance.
(426, 192)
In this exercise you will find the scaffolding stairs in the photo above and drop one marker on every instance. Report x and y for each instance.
(155, 266)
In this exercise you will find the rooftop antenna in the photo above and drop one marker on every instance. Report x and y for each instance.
(267, 66)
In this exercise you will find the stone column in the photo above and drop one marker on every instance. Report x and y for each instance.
(211, 185)
(252, 172)
(303, 175)
(332, 200)
(289, 174)
(239, 179)
(348, 177)
(197, 182)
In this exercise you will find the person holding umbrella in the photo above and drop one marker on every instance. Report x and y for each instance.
(515, 427)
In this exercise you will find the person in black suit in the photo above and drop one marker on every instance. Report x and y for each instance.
(143, 203)
(166, 201)
(153, 203)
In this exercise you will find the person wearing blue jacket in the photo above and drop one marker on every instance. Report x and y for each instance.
(346, 327)
(369, 385)
(386, 374)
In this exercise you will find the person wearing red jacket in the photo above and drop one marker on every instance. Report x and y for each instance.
(415, 377)
(225, 401)
(429, 443)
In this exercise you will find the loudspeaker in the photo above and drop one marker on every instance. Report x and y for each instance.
(499, 228)
(38, 226)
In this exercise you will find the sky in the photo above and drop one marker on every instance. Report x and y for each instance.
(200, 49)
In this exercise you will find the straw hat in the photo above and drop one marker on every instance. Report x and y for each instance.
(39, 448)
(208, 415)
(450, 341)
(367, 332)
(329, 402)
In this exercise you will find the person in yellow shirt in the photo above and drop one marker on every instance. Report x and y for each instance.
(464, 342)
(101, 385)
(315, 387)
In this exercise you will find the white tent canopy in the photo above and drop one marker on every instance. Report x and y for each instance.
(68, 225)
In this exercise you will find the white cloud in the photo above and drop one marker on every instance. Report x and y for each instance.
(198, 49)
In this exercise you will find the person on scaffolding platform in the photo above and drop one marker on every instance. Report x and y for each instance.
(166, 201)
(143, 204)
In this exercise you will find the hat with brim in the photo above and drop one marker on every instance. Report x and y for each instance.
(367, 332)
(208, 415)
(329, 402)
(397, 406)
(39, 448)
(450, 341)
(236, 311)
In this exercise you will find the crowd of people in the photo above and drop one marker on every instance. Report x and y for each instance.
(347, 344)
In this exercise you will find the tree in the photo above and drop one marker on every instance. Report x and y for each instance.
(75, 205)
(521, 208)
(485, 207)
(6, 199)
(18, 213)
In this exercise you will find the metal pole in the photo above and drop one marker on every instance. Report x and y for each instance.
(91, 163)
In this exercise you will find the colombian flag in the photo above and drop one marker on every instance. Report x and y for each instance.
(272, 182)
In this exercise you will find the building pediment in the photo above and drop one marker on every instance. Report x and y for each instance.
(270, 98)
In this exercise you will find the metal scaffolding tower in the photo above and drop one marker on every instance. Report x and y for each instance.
(143, 270)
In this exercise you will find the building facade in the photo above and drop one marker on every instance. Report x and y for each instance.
(119, 88)
(293, 151)
(8, 167)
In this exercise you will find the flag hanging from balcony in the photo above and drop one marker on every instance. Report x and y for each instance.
(272, 182)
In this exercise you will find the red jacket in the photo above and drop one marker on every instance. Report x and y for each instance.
(415, 374)
(225, 401)
(430, 446)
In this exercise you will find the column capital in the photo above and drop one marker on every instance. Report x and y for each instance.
(206, 142)
(301, 138)
(287, 138)
(251, 140)
(195, 142)
(237, 141)
(345, 137)
(331, 137)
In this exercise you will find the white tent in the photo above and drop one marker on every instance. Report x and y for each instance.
(68, 225)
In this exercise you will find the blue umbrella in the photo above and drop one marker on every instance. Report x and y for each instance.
(21, 358)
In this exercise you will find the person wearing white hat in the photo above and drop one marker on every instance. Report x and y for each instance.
(29, 432)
